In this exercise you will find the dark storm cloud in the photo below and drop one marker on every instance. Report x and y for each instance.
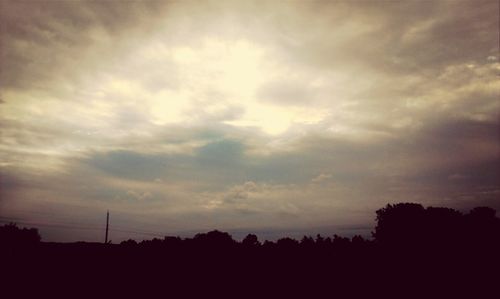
(407, 36)
(130, 165)
(465, 155)
(430, 155)
(42, 38)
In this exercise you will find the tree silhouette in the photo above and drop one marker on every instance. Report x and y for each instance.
(287, 243)
(443, 227)
(11, 235)
(307, 242)
(483, 227)
(400, 224)
(482, 213)
(250, 240)
(459, 249)
(214, 238)
(129, 243)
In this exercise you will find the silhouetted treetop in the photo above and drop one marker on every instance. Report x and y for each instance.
(406, 224)
(12, 235)
(400, 223)
(214, 238)
(250, 240)
(483, 213)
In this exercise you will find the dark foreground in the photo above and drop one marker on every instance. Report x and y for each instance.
(416, 253)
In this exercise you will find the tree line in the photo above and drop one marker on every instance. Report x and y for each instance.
(414, 252)
(398, 225)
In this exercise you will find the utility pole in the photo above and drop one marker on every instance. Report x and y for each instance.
(107, 227)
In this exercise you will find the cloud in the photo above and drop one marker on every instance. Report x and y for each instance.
(139, 195)
(48, 42)
(234, 114)
(286, 93)
(240, 192)
(321, 178)
(457, 177)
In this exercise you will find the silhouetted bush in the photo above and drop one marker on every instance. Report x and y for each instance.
(307, 242)
(129, 243)
(250, 240)
(11, 235)
(287, 243)
(214, 238)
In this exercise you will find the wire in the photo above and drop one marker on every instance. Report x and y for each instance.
(71, 226)
(50, 225)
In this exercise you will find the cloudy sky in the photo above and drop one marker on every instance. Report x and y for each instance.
(275, 117)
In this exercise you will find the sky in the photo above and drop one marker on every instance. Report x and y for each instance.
(280, 118)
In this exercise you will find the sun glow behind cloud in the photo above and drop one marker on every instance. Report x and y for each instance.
(217, 81)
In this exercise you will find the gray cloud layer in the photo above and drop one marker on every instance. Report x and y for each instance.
(265, 116)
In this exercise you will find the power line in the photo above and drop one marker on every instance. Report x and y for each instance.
(59, 215)
(64, 223)
(139, 232)
(50, 225)
(77, 227)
